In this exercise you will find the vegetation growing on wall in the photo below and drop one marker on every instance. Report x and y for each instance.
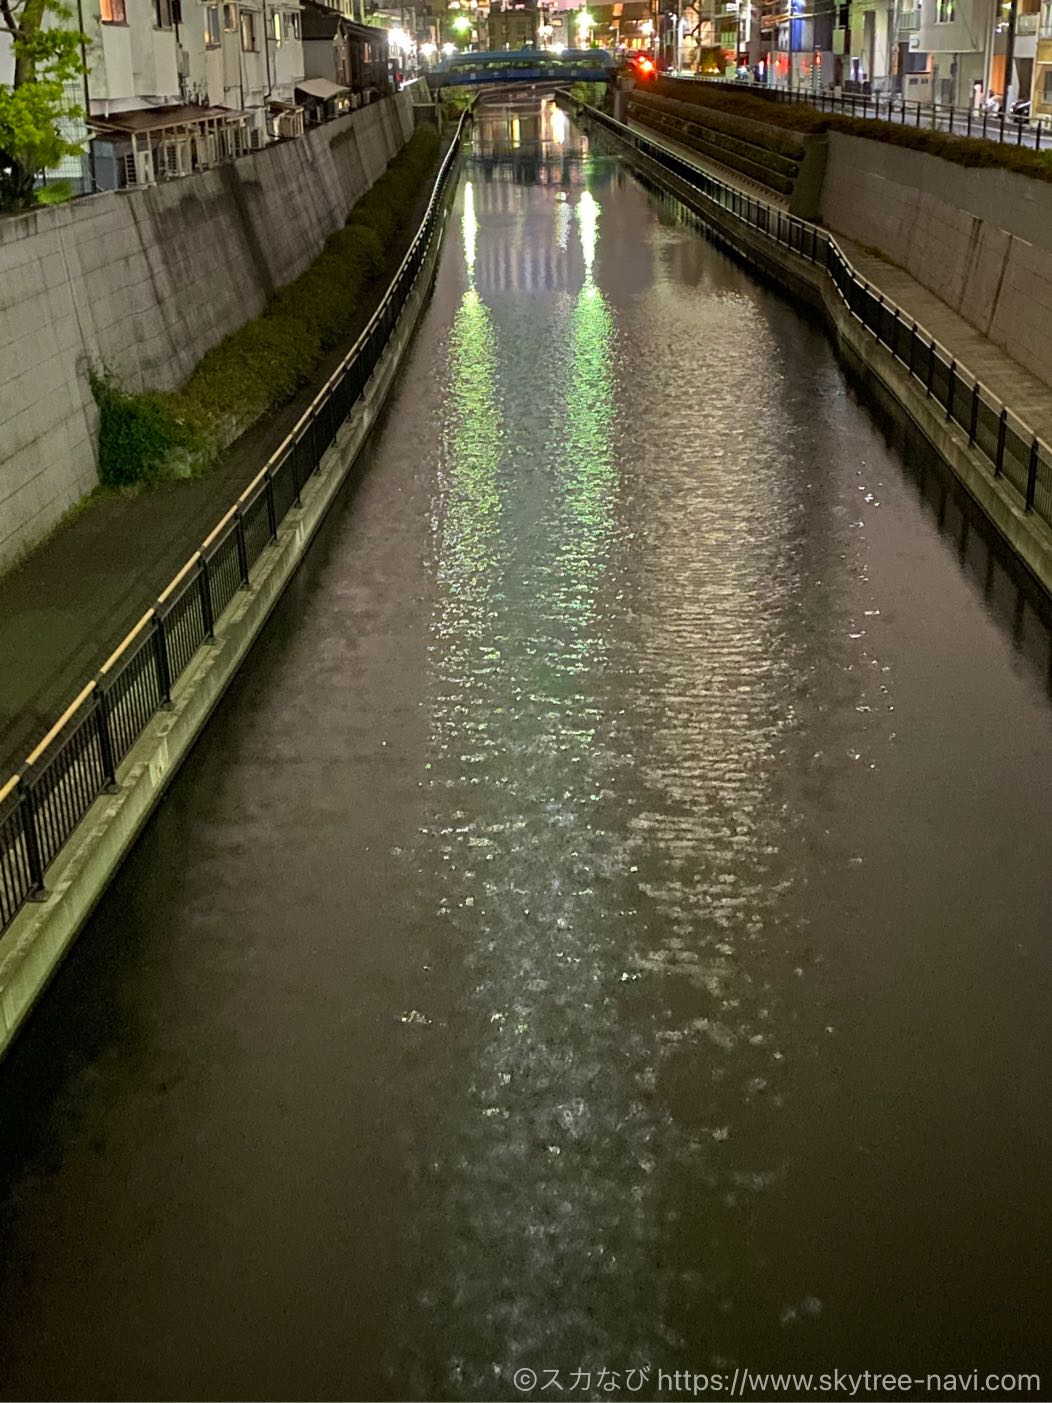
(143, 437)
(800, 117)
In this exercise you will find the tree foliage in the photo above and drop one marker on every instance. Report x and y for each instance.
(35, 105)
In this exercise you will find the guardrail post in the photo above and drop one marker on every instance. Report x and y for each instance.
(949, 393)
(242, 545)
(297, 486)
(876, 318)
(272, 516)
(160, 653)
(973, 421)
(1002, 428)
(102, 721)
(204, 591)
(931, 368)
(37, 890)
(1031, 475)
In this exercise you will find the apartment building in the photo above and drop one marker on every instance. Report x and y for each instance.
(176, 85)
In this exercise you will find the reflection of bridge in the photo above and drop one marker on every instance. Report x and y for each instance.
(519, 66)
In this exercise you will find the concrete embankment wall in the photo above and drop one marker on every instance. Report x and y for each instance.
(34, 944)
(979, 238)
(1029, 537)
(144, 282)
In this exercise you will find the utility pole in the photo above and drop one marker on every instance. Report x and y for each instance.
(1010, 55)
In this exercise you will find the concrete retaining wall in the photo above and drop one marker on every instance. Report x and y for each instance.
(1024, 532)
(981, 239)
(38, 938)
(144, 282)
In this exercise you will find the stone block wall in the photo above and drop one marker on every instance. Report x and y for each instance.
(144, 282)
(978, 237)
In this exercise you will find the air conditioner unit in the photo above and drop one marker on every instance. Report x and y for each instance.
(184, 63)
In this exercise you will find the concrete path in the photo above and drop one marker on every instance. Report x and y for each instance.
(1006, 378)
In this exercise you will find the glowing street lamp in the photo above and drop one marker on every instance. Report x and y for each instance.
(585, 22)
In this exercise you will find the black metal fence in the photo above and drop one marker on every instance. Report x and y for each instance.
(964, 120)
(1013, 451)
(78, 760)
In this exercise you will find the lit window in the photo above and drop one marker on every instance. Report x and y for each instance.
(248, 31)
(212, 35)
(277, 29)
(230, 18)
(944, 11)
(112, 12)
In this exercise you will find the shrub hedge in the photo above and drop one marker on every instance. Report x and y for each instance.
(962, 150)
(143, 437)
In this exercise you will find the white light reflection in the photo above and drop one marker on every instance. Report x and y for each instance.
(470, 226)
(588, 227)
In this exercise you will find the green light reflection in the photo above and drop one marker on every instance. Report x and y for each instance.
(591, 477)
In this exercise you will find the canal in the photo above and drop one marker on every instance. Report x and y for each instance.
(607, 922)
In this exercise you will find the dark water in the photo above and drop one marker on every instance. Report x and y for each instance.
(608, 921)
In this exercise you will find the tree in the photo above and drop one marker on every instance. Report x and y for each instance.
(48, 59)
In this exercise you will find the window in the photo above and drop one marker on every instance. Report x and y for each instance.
(248, 31)
(1046, 19)
(944, 11)
(277, 30)
(1046, 91)
(292, 25)
(212, 36)
(112, 12)
(162, 13)
(230, 18)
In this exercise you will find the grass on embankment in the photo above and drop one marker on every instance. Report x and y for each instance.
(159, 434)
(799, 117)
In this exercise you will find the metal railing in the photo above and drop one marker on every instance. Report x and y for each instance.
(1012, 450)
(80, 756)
(963, 120)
